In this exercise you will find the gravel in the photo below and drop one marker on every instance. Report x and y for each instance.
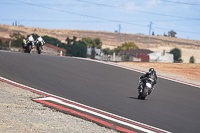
(18, 113)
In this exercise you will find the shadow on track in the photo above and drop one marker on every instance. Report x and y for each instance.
(133, 98)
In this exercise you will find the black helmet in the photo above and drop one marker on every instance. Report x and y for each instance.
(151, 70)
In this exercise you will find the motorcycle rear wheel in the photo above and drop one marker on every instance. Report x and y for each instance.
(28, 49)
(39, 49)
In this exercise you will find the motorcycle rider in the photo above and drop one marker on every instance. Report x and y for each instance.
(150, 75)
(23, 43)
(30, 38)
(40, 39)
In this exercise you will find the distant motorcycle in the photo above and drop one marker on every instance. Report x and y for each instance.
(28, 46)
(145, 88)
(39, 47)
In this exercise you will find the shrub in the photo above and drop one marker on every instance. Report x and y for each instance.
(192, 60)
(177, 54)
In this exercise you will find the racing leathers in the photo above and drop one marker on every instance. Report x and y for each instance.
(30, 39)
(39, 39)
(150, 75)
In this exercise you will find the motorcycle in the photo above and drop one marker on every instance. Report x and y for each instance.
(28, 46)
(145, 88)
(39, 47)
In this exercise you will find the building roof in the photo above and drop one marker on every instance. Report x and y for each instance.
(55, 47)
(4, 39)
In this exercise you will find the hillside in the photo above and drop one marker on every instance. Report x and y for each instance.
(111, 40)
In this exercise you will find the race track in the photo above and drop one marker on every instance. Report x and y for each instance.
(172, 106)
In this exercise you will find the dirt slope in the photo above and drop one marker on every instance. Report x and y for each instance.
(111, 40)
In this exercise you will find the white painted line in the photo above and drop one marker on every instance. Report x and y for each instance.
(89, 111)
(101, 115)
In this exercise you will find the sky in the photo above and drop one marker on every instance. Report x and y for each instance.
(124, 16)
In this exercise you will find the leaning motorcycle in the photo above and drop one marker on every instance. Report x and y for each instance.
(39, 47)
(145, 88)
(28, 46)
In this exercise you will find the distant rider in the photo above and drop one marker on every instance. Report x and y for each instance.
(150, 75)
(40, 39)
(30, 39)
(23, 43)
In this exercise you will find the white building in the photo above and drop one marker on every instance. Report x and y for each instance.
(97, 52)
(161, 57)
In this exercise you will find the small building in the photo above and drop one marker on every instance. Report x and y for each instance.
(4, 39)
(53, 50)
(143, 57)
(136, 55)
(161, 57)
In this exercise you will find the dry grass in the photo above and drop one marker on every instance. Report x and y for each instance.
(158, 43)
(179, 70)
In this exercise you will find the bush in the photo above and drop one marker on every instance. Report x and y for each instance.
(177, 54)
(107, 51)
(192, 60)
(51, 40)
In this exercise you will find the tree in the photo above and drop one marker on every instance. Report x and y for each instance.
(68, 40)
(98, 43)
(90, 42)
(177, 54)
(71, 41)
(153, 33)
(165, 34)
(107, 51)
(172, 33)
(74, 40)
(51, 40)
(192, 60)
(125, 46)
(118, 49)
(69, 49)
(80, 49)
(129, 46)
(93, 43)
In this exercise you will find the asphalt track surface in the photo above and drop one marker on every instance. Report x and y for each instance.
(172, 106)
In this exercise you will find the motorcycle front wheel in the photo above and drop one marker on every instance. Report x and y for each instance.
(143, 94)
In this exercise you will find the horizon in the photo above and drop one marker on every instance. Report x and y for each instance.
(100, 31)
(128, 17)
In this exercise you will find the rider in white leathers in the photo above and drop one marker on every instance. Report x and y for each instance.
(40, 39)
(30, 38)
